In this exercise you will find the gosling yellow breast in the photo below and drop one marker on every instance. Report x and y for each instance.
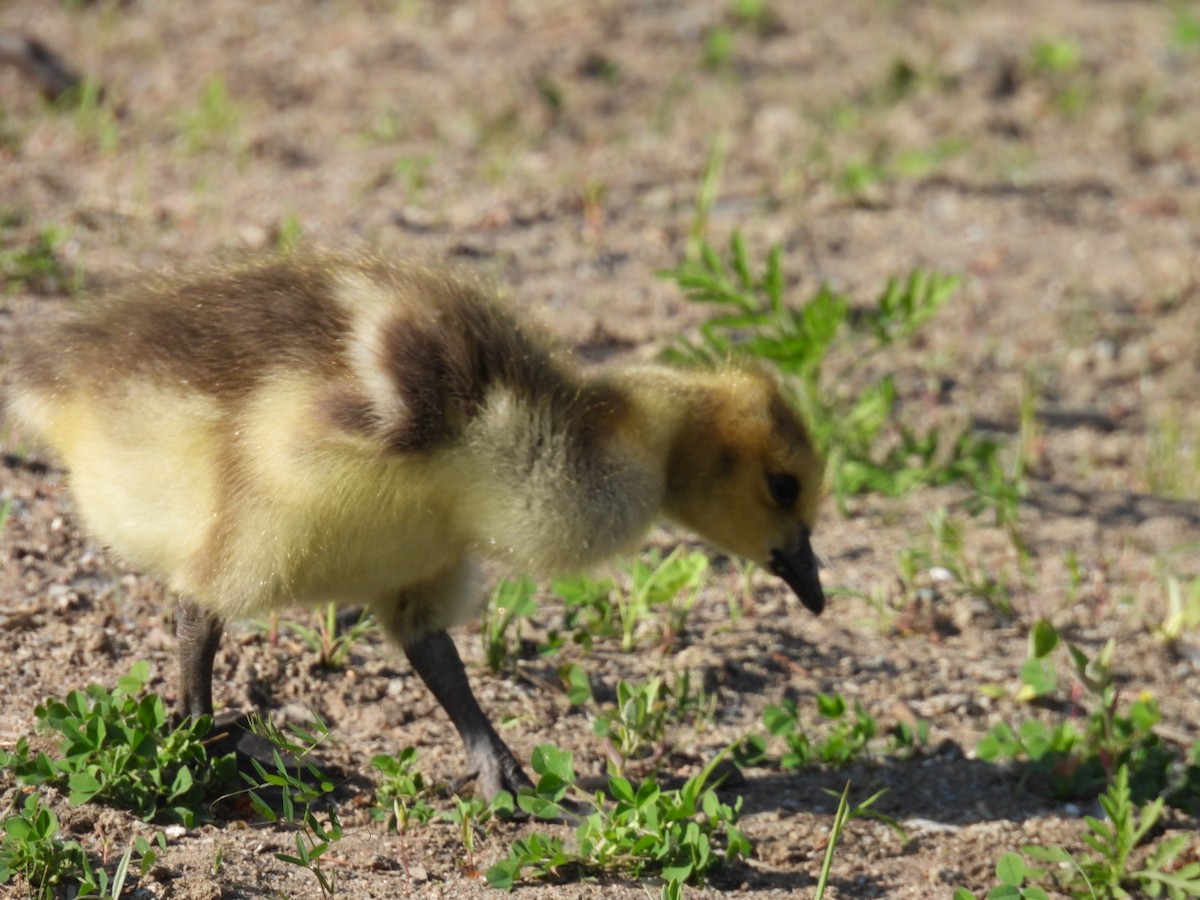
(342, 429)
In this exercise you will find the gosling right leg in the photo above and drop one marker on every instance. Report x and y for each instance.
(490, 763)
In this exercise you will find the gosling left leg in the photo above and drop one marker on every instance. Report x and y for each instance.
(197, 636)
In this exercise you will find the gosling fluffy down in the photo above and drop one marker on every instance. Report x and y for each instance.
(364, 431)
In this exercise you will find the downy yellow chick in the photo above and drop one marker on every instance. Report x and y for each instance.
(360, 431)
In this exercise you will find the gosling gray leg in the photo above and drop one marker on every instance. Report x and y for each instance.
(435, 658)
(198, 633)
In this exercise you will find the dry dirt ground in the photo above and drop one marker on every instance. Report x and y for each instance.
(1048, 152)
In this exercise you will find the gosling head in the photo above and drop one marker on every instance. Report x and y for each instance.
(743, 474)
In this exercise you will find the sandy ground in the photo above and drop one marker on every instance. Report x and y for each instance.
(1048, 153)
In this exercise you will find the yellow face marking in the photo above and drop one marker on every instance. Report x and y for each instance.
(744, 437)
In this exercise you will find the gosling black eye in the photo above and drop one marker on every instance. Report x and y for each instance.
(785, 489)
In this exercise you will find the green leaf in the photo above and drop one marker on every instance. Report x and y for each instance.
(1039, 674)
(780, 720)
(84, 786)
(135, 681)
(1043, 638)
(1010, 869)
(621, 789)
(503, 874)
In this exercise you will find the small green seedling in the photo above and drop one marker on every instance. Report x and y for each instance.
(844, 813)
(332, 643)
(1077, 760)
(37, 266)
(1013, 873)
(511, 603)
(31, 852)
(652, 605)
(300, 786)
(1183, 607)
(1110, 870)
(637, 726)
(846, 739)
(215, 122)
(403, 795)
(94, 115)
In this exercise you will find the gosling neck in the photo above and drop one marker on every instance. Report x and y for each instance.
(666, 411)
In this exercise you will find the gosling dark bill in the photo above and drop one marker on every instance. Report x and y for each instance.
(798, 568)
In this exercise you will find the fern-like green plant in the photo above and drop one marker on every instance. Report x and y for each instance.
(869, 450)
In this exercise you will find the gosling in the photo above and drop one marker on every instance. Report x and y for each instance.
(364, 431)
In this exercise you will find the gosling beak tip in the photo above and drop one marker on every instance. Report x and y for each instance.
(798, 569)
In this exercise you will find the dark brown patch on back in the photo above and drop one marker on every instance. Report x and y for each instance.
(446, 351)
(349, 410)
(218, 332)
(416, 361)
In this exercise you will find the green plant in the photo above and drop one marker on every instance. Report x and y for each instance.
(288, 234)
(599, 610)
(31, 851)
(402, 797)
(636, 726)
(840, 817)
(215, 122)
(869, 450)
(37, 266)
(682, 836)
(4, 511)
(672, 584)
(509, 604)
(117, 747)
(470, 814)
(846, 737)
(1109, 870)
(33, 854)
(860, 177)
(328, 639)
(1185, 32)
(718, 47)
(947, 551)
(574, 678)
(843, 814)
(1183, 606)
(1059, 63)
(706, 193)
(413, 172)
(1012, 872)
(1050, 56)
(94, 118)
(749, 12)
(1076, 761)
(1172, 465)
(299, 785)
(590, 608)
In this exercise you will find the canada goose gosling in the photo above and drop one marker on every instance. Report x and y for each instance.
(361, 431)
